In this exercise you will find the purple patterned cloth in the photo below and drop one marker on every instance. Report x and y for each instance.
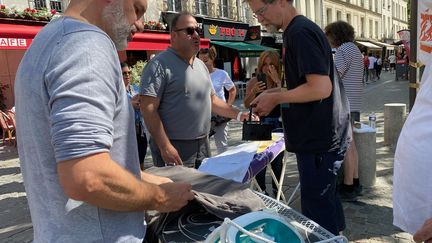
(261, 160)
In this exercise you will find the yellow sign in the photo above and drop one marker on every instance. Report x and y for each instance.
(212, 29)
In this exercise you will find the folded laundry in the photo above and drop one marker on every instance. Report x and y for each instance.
(213, 195)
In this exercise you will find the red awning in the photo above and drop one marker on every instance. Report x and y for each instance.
(149, 41)
(156, 42)
(14, 36)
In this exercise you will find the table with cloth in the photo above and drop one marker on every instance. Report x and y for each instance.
(217, 198)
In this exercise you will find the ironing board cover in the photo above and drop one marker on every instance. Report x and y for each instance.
(245, 161)
(266, 152)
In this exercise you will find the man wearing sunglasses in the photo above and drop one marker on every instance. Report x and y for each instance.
(177, 99)
(316, 122)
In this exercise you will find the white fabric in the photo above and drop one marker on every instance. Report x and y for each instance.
(392, 59)
(220, 80)
(369, 45)
(232, 164)
(412, 181)
(379, 61)
(372, 61)
(221, 137)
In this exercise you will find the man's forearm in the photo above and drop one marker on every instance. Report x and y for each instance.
(231, 97)
(99, 181)
(315, 89)
(223, 109)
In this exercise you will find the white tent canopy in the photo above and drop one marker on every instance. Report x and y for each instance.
(369, 45)
(388, 46)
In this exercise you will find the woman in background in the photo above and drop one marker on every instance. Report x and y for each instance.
(268, 77)
(349, 65)
(220, 80)
(139, 122)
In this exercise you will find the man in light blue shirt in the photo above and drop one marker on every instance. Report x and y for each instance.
(76, 132)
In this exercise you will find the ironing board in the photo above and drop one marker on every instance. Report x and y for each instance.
(196, 225)
(263, 154)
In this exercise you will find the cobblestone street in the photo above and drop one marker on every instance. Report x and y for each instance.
(368, 220)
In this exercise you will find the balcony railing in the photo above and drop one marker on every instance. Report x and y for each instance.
(201, 7)
(39, 4)
(174, 5)
(57, 5)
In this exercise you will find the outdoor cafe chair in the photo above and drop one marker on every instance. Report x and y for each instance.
(7, 124)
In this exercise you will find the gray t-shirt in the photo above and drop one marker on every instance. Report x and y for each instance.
(184, 91)
(71, 102)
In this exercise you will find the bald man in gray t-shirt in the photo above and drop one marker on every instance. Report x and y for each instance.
(177, 99)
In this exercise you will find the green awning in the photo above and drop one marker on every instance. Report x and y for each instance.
(244, 49)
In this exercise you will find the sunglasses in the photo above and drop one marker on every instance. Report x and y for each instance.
(204, 50)
(191, 30)
(127, 73)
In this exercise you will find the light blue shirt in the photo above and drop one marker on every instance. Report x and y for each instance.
(71, 102)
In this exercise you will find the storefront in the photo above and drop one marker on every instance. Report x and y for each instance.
(368, 47)
(273, 40)
(16, 38)
(238, 46)
(387, 49)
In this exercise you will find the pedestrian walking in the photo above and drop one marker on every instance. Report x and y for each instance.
(378, 66)
(371, 68)
(365, 68)
(392, 61)
(349, 65)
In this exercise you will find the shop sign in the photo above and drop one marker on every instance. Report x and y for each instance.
(218, 30)
(279, 38)
(254, 33)
(13, 43)
(215, 32)
(424, 33)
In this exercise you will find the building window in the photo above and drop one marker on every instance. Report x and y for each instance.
(57, 5)
(309, 11)
(40, 4)
(370, 28)
(338, 15)
(174, 5)
(348, 16)
(224, 8)
(201, 7)
(376, 29)
(362, 27)
(329, 16)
